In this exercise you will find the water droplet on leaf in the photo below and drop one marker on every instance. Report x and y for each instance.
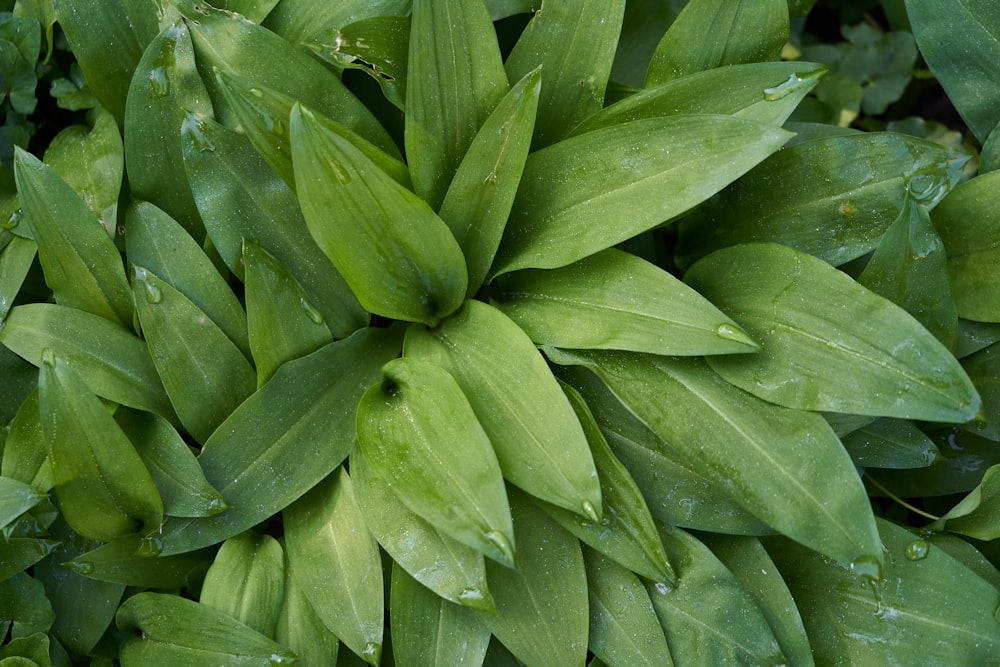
(193, 130)
(917, 550)
(734, 333)
(159, 79)
(80, 566)
(283, 658)
(311, 311)
(218, 506)
(149, 547)
(784, 89)
(591, 511)
(48, 357)
(868, 567)
(500, 541)
(153, 293)
(14, 220)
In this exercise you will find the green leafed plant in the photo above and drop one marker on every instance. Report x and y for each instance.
(416, 333)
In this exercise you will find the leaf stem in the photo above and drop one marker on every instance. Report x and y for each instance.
(899, 500)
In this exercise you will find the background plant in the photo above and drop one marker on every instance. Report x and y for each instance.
(642, 355)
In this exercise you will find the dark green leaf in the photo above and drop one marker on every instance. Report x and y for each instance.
(29, 651)
(131, 561)
(16, 498)
(975, 336)
(890, 443)
(983, 368)
(964, 458)
(25, 454)
(25, 610)
(301, 21)
(247, 581)
(19, 553)
(976, 514)
(15, 261)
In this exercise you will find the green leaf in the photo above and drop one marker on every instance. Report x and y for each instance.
(21, 41)
(968, 225)
(964, 458)
(447, 567)
(542, 607)
(302, 422)
(301, 629)
(173, 467)
(102, 487)
(429, 630)
(766, 92)
(399, 258)
(838, 196)
(966, 74)
(283, 322)
(714, 33)
(26, 610)
(574, 43)
(983, 368)
(335, 560)
(171, 630)
(710, 618)
(15, 262)
(255, 10)
(19, 553)
(205, 374)
(25, 453)
(536, 435)
(247, 581)
(478, 201)
(131, 561)
(903, 619)
(16, 498)
(870, 358)
(301, 21)
(975, 336)
(570, 191)
(624, 629)
(417, 428)
(81, 264)
(30, 651)
(784, 466)
(455, 76)
(976, 514)
(114, 363)
(614, 300)
(241, 198)
(890, 443)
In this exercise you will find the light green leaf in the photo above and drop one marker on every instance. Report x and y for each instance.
(983, 368)
(301, 629)
(784, 466)
(478, 201)
(255, 10)
(102, 487)
(870, 357)
(624, 629)
(81, 264)
(417, 428)
(399, 258)
(16, 259)
(902, 620)
(536, 435)
(205, 374)
(976, 514)
(247, 581)
(171, 630)
(301, 21)
(614, 300)
(25, 453)
(542, 607)
(447, 567)
(574, 43)
(27, 611)
(714, 33)
(428, 630)
(455, 76)
(335, 560)
(571, 195)
(890, 443)
(16, 498)
(838, 196)
(131, 561)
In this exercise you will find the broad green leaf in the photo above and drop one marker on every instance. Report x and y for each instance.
(25, 453)
(870, 357)
(114, 363)
(335, 560)
(570, 191)
(714, 33)
(966, 74)
(399, 258)
(455, 76)
(968, 224)
(839, 194)
(902, 620)
(101, 485)
(165, 87)
(709, 617)
(784, 466)
(204, 373)
(766, 92)
(16, 498)
(479, 199)
(976, 514)
(21, 43)
(283, 322)
(15, 261)
(983, 368)
(574, 43)
(747, 559)
(642, 29)
(19, 553)
(301, 21)
(428, 630)
(447, 567)
(26, 610)
(963, 459)
(130, 561)
(536, 435)
(542, 607)
(962, 551)
(975, 336)
(624, 629)
(300, 629)
(989, 157)
(615, 300)
(247, 581)
(241, 198)
(890, 443)
(171, 630)
(156, 242)
(301, 423)
(417, 428)
(81, 264)
(255, 10)
(30, 651)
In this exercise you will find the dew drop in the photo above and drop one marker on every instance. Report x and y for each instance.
(193, 130)
(257, 92)
(273, 125)
(591, 512)
(663, 589)
(218, 506)
(80, 566)
(371, 653)
(917, 550)
(14, 220)
(283, 658)
(159, 78)
(868, 567)
(149, 547)
(311, 311)
(153, 293)
(784, 89)
(734, 333)
(48, 357)
(500, 541)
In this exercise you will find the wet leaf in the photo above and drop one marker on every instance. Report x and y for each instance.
(890, 443)
(964, 459)
(247, 581)
(19, 553)
(983, 368)
(16, 498)
(15, 261)
(976, 514)
(132, 561)
(300, 21)
(301, 629)
(26, 611)
(25, 453)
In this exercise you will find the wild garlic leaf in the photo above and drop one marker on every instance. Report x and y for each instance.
(132, 561)
(16, 259)
(16, 498)
(20, 553)
(964, 456)
(246, 581)
(826, 342)
(975, 515)
(615, 300)
(455, 77)
(417, 428)
(302, 21)
(714, 33)
(983, 368)
(399, 258)
(300, 628)
(25, 453)
(28, 611)
(890, 443)
(536, 435)
(572, 193)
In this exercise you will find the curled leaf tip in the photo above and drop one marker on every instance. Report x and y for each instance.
(500, 541)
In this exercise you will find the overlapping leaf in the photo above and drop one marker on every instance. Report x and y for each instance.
(246, 581)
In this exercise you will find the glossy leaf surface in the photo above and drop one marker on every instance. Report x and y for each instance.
(301, 629)
(983, 368)
(15, 262)
(302, 21)
(976, 514)
(25, 453)
(130, 561)
(247, 581)
(16, 498)
(890, 443)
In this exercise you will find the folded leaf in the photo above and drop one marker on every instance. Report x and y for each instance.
(870, 358)
(247, 581)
